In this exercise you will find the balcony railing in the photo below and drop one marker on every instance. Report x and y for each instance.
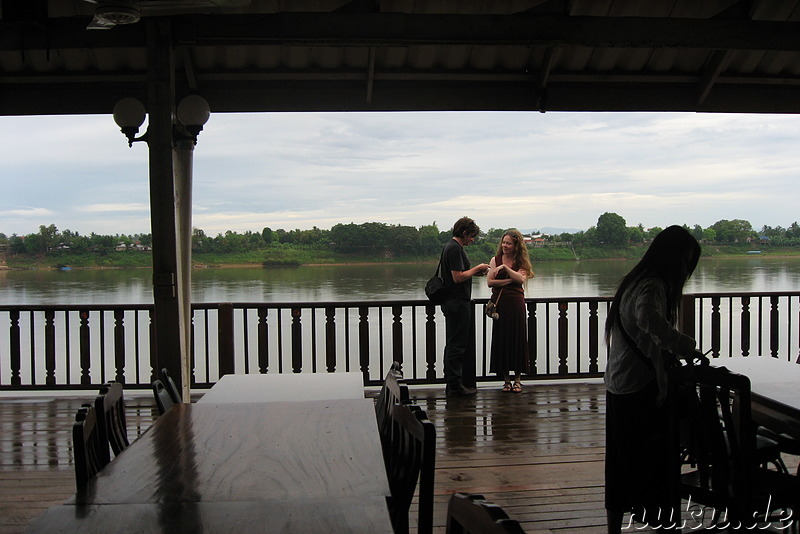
(80, 347)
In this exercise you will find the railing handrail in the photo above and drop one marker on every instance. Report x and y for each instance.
(97, 342)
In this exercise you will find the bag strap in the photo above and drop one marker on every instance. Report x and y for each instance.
(499, 293)
(439, 267)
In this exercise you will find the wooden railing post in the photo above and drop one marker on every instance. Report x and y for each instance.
(192, 356)
(716, 332)
(119, 345)
(594, 336)
(430, 341)
(397, 334)
(151, 328)
(225, 339)
(745, 327)
(330, 338)
(263, 341)
(774, 326)
(297, 341)
(563, 338)
(15, 347)
(85, 345)
(50, 347)
(363, 341)
(533, 350)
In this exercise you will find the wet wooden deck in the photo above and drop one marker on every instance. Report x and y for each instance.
(539, 454)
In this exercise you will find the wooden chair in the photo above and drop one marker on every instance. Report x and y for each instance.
(394, 390)
(110, 409)
(472, 514)
(770, 445)
(164, 400)
(172, 389)
(87, 446)
(410, 457)
(725, 474)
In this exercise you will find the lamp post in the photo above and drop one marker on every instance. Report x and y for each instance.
(192, 113)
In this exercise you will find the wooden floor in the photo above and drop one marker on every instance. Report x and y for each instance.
(539, 454)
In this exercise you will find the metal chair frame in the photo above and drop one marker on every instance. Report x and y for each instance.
(473, 514)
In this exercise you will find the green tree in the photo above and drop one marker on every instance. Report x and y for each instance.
(653, 232)
(636, 234)
(734, 231)
(267, 235)
(198, 239)
(612, 229)
(429, 239)
(494, 234)
(346, 237)
(697, 232)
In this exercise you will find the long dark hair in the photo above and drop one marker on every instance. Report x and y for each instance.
(671, 257)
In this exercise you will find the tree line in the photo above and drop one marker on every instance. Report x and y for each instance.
(387, 240)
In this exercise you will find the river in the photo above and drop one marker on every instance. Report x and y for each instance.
(380, 282)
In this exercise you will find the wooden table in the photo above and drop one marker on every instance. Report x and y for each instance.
(775, 390)
(285, 387)
(313, 466)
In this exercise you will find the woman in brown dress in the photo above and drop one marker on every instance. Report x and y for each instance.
(509, 272)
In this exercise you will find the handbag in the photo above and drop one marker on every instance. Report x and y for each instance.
(491, 307)
(434, 287)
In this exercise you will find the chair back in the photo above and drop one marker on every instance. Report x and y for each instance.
(721, 442)
(163, 399)
(172, 389)
(410, 457)
(87, 446)
(110, 407)
(472, 514)
(394, 390)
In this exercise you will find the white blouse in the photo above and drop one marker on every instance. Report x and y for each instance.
(643, 315)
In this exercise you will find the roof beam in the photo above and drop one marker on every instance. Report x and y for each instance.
(715, 65)
(399, 29)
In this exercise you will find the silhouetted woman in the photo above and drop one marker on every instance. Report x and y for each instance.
(642, 337)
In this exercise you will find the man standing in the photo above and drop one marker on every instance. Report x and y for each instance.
(457, 310)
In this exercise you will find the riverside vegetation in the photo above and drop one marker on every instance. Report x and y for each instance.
(374, 242)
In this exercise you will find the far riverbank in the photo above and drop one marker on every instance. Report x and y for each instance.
(285, 256)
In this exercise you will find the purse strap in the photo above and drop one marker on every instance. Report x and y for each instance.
(498, 295)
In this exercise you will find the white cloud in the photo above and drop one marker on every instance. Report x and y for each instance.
(292, 170)
(115, 208)
(31, 212)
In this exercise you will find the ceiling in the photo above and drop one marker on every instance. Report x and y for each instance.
(397, 55)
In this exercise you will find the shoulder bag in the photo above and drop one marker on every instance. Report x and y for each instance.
(434, 287)
(491, 307)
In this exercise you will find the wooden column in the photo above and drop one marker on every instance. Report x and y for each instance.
(168, 320)
(184, 154)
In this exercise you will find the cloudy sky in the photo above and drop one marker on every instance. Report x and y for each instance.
(524, 170)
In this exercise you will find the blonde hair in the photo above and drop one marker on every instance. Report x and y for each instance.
(521, 256)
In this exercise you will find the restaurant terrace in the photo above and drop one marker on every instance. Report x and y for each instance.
(540, 454)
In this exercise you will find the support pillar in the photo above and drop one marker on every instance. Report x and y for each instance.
(167, 250)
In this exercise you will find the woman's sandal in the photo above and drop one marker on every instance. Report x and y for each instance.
(506, 387)
(517, 388)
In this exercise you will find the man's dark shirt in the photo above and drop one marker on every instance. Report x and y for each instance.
(455, 259)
